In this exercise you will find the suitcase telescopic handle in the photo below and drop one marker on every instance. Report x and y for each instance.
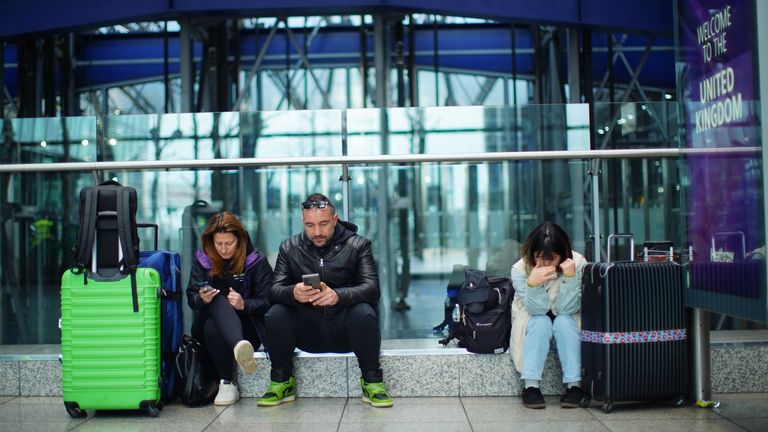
(154, 228)
(740, 234)
(631, 238)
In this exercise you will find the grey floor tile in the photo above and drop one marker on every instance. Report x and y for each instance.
(688, 425)
(652, 410)
(4, 399)
(95, 425)
(542, 426)
(278, 427)
(38, 426)
(742, 405)
(302, 410)
(511, 409)
(172, 413)
(753, 424)
(34, 409)
(406, 410)
(404, 427)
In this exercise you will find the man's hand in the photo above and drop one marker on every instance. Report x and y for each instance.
(303, 293)
(235, 299)
(325, 297)
(541, 274)
(569, 268)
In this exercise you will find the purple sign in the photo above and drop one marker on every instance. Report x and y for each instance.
(716, 74)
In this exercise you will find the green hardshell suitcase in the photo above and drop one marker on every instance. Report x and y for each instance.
(110, 355)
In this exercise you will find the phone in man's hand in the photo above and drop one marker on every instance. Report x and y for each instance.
(312, 280)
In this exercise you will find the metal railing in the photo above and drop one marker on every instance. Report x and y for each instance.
(372, 159)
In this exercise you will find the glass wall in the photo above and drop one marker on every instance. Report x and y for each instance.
(423, 217)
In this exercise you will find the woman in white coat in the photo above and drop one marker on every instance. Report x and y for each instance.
(547, 304)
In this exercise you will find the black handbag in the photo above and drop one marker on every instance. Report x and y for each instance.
(198, 383)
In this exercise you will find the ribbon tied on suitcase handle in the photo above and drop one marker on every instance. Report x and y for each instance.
(611, 338)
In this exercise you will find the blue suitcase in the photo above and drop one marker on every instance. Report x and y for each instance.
(168, 266)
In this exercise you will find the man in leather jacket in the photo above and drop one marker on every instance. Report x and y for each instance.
(339, 314)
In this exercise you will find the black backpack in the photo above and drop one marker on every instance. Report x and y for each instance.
(484, 314)
(108, 228)
(197, 383)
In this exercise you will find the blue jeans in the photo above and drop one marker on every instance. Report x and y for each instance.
(538, 334)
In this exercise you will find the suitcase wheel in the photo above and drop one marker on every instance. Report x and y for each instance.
(607, 406)
(151, 407)
(585, 401)
(679, 401)
(74, 410)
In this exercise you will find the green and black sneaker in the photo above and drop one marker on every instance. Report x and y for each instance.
(375, 394)
(278, 392)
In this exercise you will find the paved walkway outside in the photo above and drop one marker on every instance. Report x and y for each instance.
(737, 412)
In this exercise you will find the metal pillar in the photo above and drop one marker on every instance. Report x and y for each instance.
(702, 378)
(381, 64)
(2, 97)
(578, 232)
(186, 66)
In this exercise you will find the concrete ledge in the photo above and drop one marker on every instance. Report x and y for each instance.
(737, 361)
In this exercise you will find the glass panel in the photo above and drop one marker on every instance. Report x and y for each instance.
(640, 196)
(44, 140)
(39, 221)
(473, 129)
(474, 214)
(171, 137)
(292, 133)
(636, 125)
(39, 217)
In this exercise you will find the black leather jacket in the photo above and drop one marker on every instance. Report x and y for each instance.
(347, 267)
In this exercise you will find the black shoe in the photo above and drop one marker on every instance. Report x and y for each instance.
(572, 397)
(532, 398)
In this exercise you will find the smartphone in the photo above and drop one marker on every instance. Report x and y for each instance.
(312, 280)
(204, 286)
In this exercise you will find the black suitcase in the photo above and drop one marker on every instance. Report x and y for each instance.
(633, 332)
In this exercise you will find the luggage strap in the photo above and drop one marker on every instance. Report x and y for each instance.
(171, 295)
(130, 250)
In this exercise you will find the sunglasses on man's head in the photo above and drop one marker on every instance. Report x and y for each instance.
(306, 205)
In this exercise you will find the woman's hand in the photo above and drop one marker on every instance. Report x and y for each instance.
(568, 267)
(235, 299)
(207, 293)
(541, 274)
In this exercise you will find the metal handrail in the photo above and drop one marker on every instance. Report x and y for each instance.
(375, 159)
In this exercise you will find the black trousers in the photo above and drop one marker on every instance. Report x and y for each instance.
(355, 329)
(220, 328)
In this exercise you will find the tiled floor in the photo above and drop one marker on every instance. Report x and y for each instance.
(737, 412)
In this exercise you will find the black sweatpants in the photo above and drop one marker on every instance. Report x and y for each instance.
(355, 329)
(222, 328)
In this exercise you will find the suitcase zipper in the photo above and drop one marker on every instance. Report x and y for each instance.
(322, 276)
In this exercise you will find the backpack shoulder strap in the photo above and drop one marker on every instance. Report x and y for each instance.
(130, 260)
(87, 232)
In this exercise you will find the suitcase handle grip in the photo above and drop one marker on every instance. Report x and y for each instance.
(740, 234)
(631, 238)
(154, 228)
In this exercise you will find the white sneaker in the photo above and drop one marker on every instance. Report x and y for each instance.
(244, 356)
(227, 395)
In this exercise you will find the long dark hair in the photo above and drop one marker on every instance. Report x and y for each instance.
(225, 222)
(546, 239)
